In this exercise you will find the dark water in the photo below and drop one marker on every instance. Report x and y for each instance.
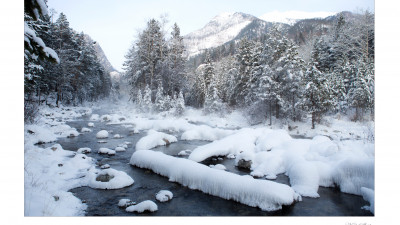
(186, 202)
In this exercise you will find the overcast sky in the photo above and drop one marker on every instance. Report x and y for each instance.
(114, 24)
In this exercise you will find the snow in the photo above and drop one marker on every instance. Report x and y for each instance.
(95, 117)
(84, 150)
(28, 32)
(85, 129)
(102, 134)
(291, 17)
(218, 31)
(264, 194)
(218, 167)
(119, 179)
(205, 133)
(119, 149)
(184, 152)
(368, 195)
(164, 196)
(143, 206)
(105, 166)
(242, 140)
(125, 202)
(154, 139)
(106, 151)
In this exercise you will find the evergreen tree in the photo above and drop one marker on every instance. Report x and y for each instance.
(316, 97)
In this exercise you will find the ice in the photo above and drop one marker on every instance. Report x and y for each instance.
(85, 129)
(368, 195)
(102, 134)
(106, 151)
(83, 150)
(143, 206)
(264, 194)
(164, 196)
(116, 179)
(154, 139)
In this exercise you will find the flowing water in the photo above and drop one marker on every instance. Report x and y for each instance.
(186, 202)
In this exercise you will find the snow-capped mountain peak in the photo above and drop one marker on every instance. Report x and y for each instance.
(291, 17)
(221, 29)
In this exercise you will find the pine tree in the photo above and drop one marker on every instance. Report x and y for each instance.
(147, 103)
(179, 104)
(316, 97)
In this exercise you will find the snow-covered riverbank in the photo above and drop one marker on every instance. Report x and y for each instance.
(309, 163)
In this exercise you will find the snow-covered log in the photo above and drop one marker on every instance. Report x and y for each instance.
(266, 195)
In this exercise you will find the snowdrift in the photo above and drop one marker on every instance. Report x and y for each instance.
(266, 195)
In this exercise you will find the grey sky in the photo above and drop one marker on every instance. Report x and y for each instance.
(114, 24)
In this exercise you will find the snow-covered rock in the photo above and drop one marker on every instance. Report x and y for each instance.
(102, 134)
(264, 194)
(85, 129)
(125, 202)
(109, 179)
(106, 151)
(147, 205)
(90, 124)
(164, 196)
(83, 150)
(119, 149)
(117, 136)
(94, 117)
(184, 152)
(368, 195)
(218, 167)
(154, 139)
(105, 166)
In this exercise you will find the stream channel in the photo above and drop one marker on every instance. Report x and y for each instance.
(185, 202)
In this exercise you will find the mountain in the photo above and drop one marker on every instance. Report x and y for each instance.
(222, 29)
(292, 17)
(101, 55)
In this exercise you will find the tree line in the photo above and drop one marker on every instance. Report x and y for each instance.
(60, 64)
(270, 77)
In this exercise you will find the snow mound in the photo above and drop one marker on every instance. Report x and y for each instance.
(105, 166)
(270, 139)
(354, 173)
(109, 179)
(205, 133)
(264, 194)
(94, 117)
(164, 196)
(102, 134)
(304, 179)
(90, 124)
(154, 139)
(106, 151)
(143, 206)
(85, 129)
(368, 195)
(105, 118)
(184, 152)
(119, 149)
(72, 133)
(83, 150)
(125, 202)
(117, 136)
(218, 167)
(242, 140)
